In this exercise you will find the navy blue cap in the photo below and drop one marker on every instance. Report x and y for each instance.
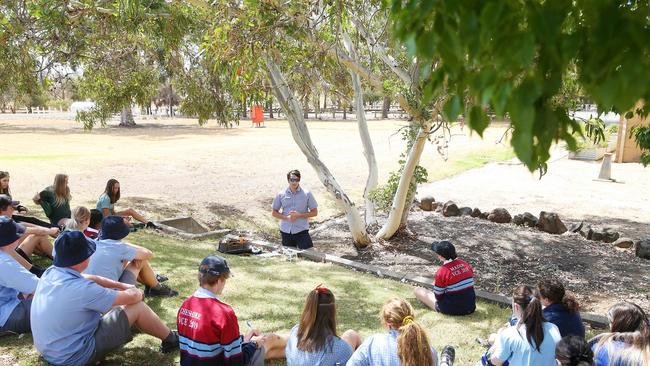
(444, 248)
(72, 248)
(10, 231)
(113, 227)
(6, 201)
(214, 265)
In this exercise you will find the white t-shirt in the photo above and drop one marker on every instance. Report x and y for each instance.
(513, 346)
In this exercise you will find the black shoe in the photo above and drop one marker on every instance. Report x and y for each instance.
(161, 290)
(447, 356)
(24, 255)
(151, 225)
(138, 226)
(161, 278)
(170, 344)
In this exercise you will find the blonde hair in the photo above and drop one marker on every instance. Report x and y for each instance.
(79, 216)
(413, 346)
(628, 324)
(61, 190)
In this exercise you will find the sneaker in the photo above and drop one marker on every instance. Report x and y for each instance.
(170, 344)
(161, 278)
(447, 356)
(161, 290)
(139, 225)
(151, 225)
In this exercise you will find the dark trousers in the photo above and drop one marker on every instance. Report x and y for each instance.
(300, 240)
(31, 220)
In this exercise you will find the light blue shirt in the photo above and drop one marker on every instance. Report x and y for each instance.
(66, 311)
(381, 350)
(108, 260)
(513, 346)
(14, 279)
(105, 202)
(335, 350)
(608, 353)
(301, 201)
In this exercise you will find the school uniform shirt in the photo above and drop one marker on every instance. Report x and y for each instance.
(108, 259)
(66, 311)
(91, 233)
(609, 350)
(567, 322)
(335, 351)
(52, 210)
(209, 333)
(301, 201)
(14, 280)
(513, 346)
(381, 350)
(454, 288)
(105, 202)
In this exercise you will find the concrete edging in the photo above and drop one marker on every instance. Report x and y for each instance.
(595, 320)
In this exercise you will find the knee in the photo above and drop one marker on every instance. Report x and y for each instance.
(419, 292)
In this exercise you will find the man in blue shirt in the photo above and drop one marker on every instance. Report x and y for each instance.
(294, 206)
(16, 283)
(67, 322)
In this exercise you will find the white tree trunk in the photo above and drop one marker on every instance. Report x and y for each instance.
(126, 117)
(368, 150)
(302, 138)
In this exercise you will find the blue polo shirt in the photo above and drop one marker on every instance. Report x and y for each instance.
(301, 201)
(105, 202)
(108, 259)
(66, 311)
(512, 345)
(381, 350)
(14, 280)
(335, 350)
(567, 322)
(609, 353)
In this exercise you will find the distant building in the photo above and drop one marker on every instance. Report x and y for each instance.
(627, 150)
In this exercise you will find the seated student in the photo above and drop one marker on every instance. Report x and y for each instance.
(560, 308)
(112, 255)
(405, 344)
(4, 189)
(628, 340)
(107, 200)
(208, 328)
(35, 238)
(453, 289)
(314, 341)
(55, 200)
(16, 283)
(532, 341)
(92, 230)
(573, 351)
(80, 219)
(67, 322)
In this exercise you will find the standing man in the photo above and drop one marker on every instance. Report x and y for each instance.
(293, 206)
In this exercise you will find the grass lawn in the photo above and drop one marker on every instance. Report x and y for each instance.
(271, 292)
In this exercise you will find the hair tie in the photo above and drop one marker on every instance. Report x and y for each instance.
(320, 289)
(407, 320)
(531, 299)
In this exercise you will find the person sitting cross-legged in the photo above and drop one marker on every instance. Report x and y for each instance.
(67, 322)
(453, 289)
(124, 262)
(208, 329)
(16, 283)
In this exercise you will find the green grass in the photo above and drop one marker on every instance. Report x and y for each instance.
(469, 161)
(271, 292)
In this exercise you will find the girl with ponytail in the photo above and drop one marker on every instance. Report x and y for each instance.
(560, 308)
(628, 342)
(532, 340)
(405, 343)
(313, 342)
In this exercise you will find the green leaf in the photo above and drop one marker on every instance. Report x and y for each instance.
(478, 120)
(452, 108)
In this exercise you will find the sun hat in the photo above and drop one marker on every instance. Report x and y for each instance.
(113, 227)
(71, 248)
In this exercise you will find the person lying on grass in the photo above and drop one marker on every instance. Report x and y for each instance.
(16, 283)
(77, 319)
(208, 329)
(124, 262)
(108, 199)
(314, 341)
(453, 288)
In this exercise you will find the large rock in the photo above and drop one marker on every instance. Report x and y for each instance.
(610, 236)
(500, 216)
(550, 222)
(426, 203)
(530, 220)
(624, 243)
(597, 236)
(476, 212)
(450, 209)
(643, 248)
(465, 211)
(518, 220)
(484, 215)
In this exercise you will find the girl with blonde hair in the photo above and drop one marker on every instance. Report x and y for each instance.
(55, 200)
(80, 219)
(628, 342)
(405, 344)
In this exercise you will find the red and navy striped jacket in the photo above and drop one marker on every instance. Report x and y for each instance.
(454, 288)
(208, 332)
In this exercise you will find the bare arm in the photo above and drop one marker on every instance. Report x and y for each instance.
(107, 283)
(278, 215)
(106, 212)
(39, 230)
(128, 297)
(142, 252)
(313, 212)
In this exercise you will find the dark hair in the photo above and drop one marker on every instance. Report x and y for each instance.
(96, 217)
(6, 191)
(628, 324)
(574, 351)
(109, 190)
(318, 321)
(294, 172)
(210, 279)
(445, 248)
(553, 290)
(532, 317)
